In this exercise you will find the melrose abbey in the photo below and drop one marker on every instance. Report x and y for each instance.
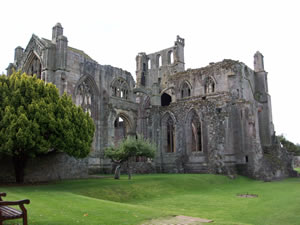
(215, 119)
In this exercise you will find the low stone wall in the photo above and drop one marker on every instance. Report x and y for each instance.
(50, 167)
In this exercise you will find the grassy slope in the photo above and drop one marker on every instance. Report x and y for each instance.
(108, 201)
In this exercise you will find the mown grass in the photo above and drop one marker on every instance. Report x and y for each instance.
(109, 201)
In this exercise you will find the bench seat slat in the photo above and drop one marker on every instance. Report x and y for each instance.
(8, 212)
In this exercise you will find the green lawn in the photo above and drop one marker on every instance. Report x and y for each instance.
(108, 201)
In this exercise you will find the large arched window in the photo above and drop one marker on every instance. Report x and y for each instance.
(170, 136)
(209, 86)
(193, 133)
(122, 127)
(185, 90)
(120, 88)
(34, 67)
(168, 133)
(84, 97)
(196, 135)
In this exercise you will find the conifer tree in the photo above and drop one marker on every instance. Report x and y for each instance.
(35, 120)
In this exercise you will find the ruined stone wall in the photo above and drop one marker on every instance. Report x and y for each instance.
(296, 161)
(50, 167)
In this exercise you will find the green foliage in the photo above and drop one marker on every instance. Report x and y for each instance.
(289, 146)
(34, 120)
(130, 147)
(104, 201)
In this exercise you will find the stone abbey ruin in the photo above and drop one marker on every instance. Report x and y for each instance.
(215, 119)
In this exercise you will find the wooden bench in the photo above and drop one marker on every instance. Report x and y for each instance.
(9, 213)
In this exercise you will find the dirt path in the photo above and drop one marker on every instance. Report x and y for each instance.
(182, 220)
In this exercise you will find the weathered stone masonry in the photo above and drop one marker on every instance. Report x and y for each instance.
(216, 119)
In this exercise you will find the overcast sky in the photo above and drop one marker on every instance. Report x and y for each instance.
(113, 32)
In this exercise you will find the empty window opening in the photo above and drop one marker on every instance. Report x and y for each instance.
(185, 90)
(170, 136)
(120, 89)
(144, 66)
(149, 64)
(196, 135)
(159, 61)
(170, 57)
(143, 79)
(120, 130)
(209, 86)
(35, 67)
(246, 159)
(166, 99)
(85, 97)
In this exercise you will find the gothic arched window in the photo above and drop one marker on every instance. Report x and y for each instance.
(196, 135)
(84, 97)
(185, 90)
(209, 86)
(170, 136)
(193, 133)
(120, 130)
(35, 67)
(120, 89)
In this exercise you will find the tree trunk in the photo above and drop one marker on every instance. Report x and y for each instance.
(128, 170)
(19, 166)
(117, 172)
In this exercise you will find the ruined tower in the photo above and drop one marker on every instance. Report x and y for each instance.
(266, 127)
(156, 67)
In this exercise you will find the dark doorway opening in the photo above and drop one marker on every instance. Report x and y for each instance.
(166, 99)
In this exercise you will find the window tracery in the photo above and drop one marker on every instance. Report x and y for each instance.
(196, 135)
(185, 90)
(35, 67)
(84, 97)
(170, 136)
(209, 86)
(120, 89)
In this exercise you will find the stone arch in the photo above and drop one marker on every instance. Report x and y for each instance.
(170, 57)
(87, 95)
(33, 65)
(167, 95)
(122, 127)
(209, 85)
(193, 133)
(158, 61)
(185, 89)
(168, 133)
(120, 88)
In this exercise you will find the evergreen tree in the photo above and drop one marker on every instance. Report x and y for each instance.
(289, 146)
(35, 120)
